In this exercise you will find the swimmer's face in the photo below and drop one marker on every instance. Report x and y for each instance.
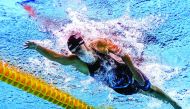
(81, 50)
(85, 53)
(78, 49)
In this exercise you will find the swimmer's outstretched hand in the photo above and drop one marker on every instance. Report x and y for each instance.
(30, 45)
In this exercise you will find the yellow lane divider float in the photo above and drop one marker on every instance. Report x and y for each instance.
(38, 87)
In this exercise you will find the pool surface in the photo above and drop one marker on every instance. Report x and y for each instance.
(157, 30)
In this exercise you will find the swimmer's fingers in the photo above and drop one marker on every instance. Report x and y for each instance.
(30, 45)
(26, 45)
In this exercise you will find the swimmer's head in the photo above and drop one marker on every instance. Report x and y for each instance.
(74, 42)
(77, 46)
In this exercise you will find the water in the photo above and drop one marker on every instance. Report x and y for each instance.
(158, 30)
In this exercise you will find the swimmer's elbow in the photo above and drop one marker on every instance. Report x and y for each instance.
(64, 60)
(52, 58)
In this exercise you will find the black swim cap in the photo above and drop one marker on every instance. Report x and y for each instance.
(74, 42)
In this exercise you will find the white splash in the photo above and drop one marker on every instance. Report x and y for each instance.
(159, 73)
(154, 104)
(124, 31)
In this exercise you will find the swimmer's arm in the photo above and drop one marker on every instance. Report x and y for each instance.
(161, 95)
(104, 46)
(62, 59)
(137, 74)
(107, 46)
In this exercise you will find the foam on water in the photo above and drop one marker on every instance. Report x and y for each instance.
(129, 33)
(125, 31)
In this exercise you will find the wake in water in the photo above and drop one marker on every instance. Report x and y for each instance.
(126, 32)
(130, 34)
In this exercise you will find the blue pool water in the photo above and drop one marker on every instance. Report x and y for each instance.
(157, 28)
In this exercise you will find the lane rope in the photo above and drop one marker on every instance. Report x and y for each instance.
(39, 87)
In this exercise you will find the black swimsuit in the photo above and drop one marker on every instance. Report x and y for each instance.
(115, 75)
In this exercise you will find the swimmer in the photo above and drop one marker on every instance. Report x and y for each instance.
(94, 59)
(26, 1)
(28, 8)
